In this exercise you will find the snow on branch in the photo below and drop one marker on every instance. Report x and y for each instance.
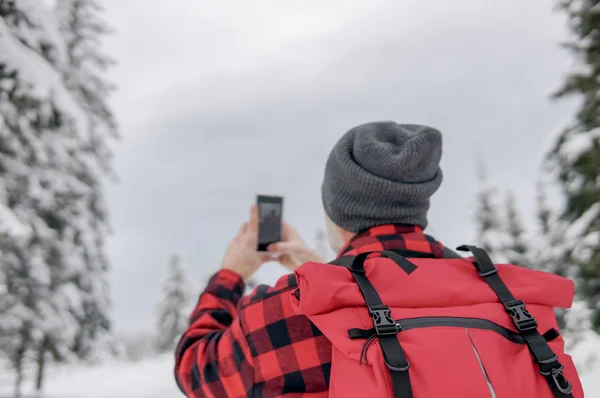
(41, 78)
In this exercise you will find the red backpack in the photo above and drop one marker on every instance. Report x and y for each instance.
(451, 327)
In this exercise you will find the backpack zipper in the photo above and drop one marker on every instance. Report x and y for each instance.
(427, 322)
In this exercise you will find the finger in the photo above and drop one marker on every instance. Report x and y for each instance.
(288, 232)
(252, 229)
(285, 247)
(240, 233)
(265, 257)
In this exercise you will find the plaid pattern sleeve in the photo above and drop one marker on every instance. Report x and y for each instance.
(291, 356)
(256, 346)
(213, 358)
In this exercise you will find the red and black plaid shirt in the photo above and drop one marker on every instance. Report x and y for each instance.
(256, 346)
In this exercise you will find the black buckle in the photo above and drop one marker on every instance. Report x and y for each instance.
(382, 320)
(520, 316)
(560, 381)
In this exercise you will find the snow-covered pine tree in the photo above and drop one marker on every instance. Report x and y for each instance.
(33, 103)
(548, 252)
(322, 245)
(174, 306)
(576, 154)
(491, 234)
(83, 27)
(545, 213)
(517, 250)
(49, 189)
(551, 255)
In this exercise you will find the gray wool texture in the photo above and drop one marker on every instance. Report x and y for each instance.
(382, 173)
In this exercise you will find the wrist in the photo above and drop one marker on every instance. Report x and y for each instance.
(314, 258)
(244, 276)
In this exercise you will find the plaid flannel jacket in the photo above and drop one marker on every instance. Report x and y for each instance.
(256, 346)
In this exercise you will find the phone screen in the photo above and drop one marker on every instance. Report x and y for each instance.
(270, 211)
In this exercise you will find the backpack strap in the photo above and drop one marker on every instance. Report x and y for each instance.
(450, 253)
(386, 328)
(547, 360)
(358, 261)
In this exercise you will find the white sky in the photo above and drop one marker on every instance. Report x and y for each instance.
(220, 100)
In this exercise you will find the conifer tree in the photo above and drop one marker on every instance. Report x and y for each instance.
(576, 155)
(517, 251)
(82, 26)
(322, 246)
(491, 234)
(174, 306)
(53, 219)
(35, 109)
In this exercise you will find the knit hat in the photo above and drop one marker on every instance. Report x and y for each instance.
(382, 173)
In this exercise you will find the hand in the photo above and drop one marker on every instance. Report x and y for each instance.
(241, 255)
(292, 250)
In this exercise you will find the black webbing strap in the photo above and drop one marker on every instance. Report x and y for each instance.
(357, 262)
(385, 327)
(450, 254)
(386, 330)
(547, 360)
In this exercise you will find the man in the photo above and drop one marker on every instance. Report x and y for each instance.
(376, 193)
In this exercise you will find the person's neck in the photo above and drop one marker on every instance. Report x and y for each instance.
(346, 237)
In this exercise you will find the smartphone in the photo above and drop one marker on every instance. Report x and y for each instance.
(270, 212)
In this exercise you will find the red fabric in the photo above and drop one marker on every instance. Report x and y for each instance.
(443, 363)
(257, 345)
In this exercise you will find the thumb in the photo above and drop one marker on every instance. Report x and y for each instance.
(289, 233)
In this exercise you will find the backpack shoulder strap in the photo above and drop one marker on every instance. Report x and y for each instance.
(450, 253)
(385, 327)
(547, 360)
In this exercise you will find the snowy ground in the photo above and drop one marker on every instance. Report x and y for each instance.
(149, 378)
(152, 378)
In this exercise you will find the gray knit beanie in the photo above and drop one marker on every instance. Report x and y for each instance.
(382, 173)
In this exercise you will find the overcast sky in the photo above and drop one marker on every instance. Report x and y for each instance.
(218, 101)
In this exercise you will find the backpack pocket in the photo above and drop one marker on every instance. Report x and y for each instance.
(464, 357)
